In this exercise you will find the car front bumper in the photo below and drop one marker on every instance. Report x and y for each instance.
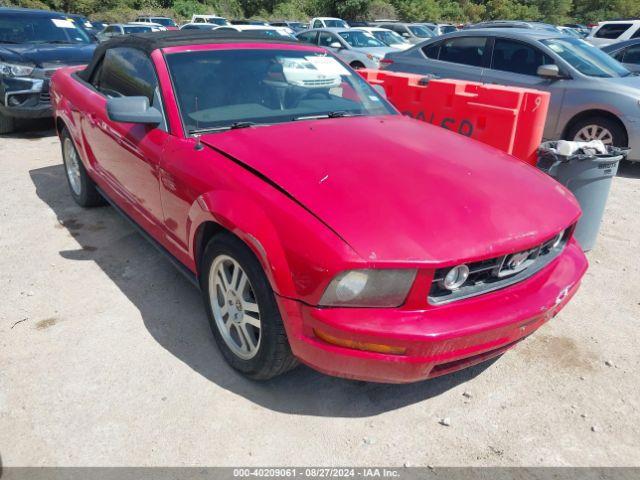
(438, 339)
(25, 97)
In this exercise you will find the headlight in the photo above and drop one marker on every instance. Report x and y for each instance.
(369, 288)
(16, 69)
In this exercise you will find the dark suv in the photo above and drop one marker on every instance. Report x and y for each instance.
(33, 45)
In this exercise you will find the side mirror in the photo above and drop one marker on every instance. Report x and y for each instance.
(337, 45)
(380, 90)
(133, 110)
(549, 71)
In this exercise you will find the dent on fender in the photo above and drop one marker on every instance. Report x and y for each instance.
(249, 222)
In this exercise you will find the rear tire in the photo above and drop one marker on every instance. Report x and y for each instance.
(242, 310)
(82, 188)
(6, 124)
(598, 128)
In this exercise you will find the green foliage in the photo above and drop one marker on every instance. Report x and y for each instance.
(552, 11)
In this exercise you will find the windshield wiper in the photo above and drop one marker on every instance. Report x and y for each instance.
(232, 126)
(336, 114)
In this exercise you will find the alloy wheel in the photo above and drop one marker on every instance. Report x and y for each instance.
(594, 132)
(234, 306)
(72, 166)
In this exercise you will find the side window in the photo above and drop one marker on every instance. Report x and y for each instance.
(464, 50)
(517, 57)
(326, 39)
(636, 34)
(432, 51)
(317, 24)
(308, 37)
(199, 20)
(632, 55)
(612, 30)
(126, 72)
(619, 55)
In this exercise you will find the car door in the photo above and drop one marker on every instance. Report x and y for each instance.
(326, 39)
(462, 58)
(127, 155)
(631, 58)
(515, 63)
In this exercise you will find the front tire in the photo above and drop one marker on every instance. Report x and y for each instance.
(598, 128)
(356, 65)
(242, 310)
(82, 188)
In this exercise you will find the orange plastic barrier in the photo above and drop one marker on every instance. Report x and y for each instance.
(509, 118)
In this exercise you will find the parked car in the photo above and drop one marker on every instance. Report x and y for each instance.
(118, 29)
(319, 257)
(199, 26)
(592, 95)
(627, 53)
(212, 19)
(580, 28)
(354, 47)
(513, 24)
(166, 22)
(241, 21)
(572, 32)
(277, 32)
(328, 22)
(412, 32)
(33, 44)
(99, 25)
(155, 27)
(294, 26)
(386, 36)
(606, 33)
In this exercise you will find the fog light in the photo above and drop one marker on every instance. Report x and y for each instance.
(456, 277)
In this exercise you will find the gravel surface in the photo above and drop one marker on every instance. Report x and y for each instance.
(106, 358)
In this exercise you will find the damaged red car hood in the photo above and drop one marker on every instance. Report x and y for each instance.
(400, 190)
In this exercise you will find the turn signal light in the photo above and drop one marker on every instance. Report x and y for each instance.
(365, 346)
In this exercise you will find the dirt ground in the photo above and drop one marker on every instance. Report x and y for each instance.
(106, 358)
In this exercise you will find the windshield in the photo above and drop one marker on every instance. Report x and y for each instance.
(165, 22)
(389, 37)
(336, 24)
(360, 39)
(136, 29)
(217, 89)
(40, 29)
(586, 58)
(448, 29)
(218, 21)
(419, 31)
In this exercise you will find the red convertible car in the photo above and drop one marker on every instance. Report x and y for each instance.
(320, 224)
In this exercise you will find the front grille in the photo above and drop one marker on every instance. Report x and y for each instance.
(319, 83)
(499, 272)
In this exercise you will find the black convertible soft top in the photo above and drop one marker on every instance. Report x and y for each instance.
(150, 41)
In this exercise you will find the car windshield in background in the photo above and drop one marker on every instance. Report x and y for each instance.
(389, 37)
(336, 24)
(448, 29)
(40, 29)
(165, 22)
(360, 39)
(136, 29)
(218, 21)
(422, 32)
(222, 89)
(586, 58)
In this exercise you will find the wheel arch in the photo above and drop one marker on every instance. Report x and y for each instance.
(217, 212)
(594, 113)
